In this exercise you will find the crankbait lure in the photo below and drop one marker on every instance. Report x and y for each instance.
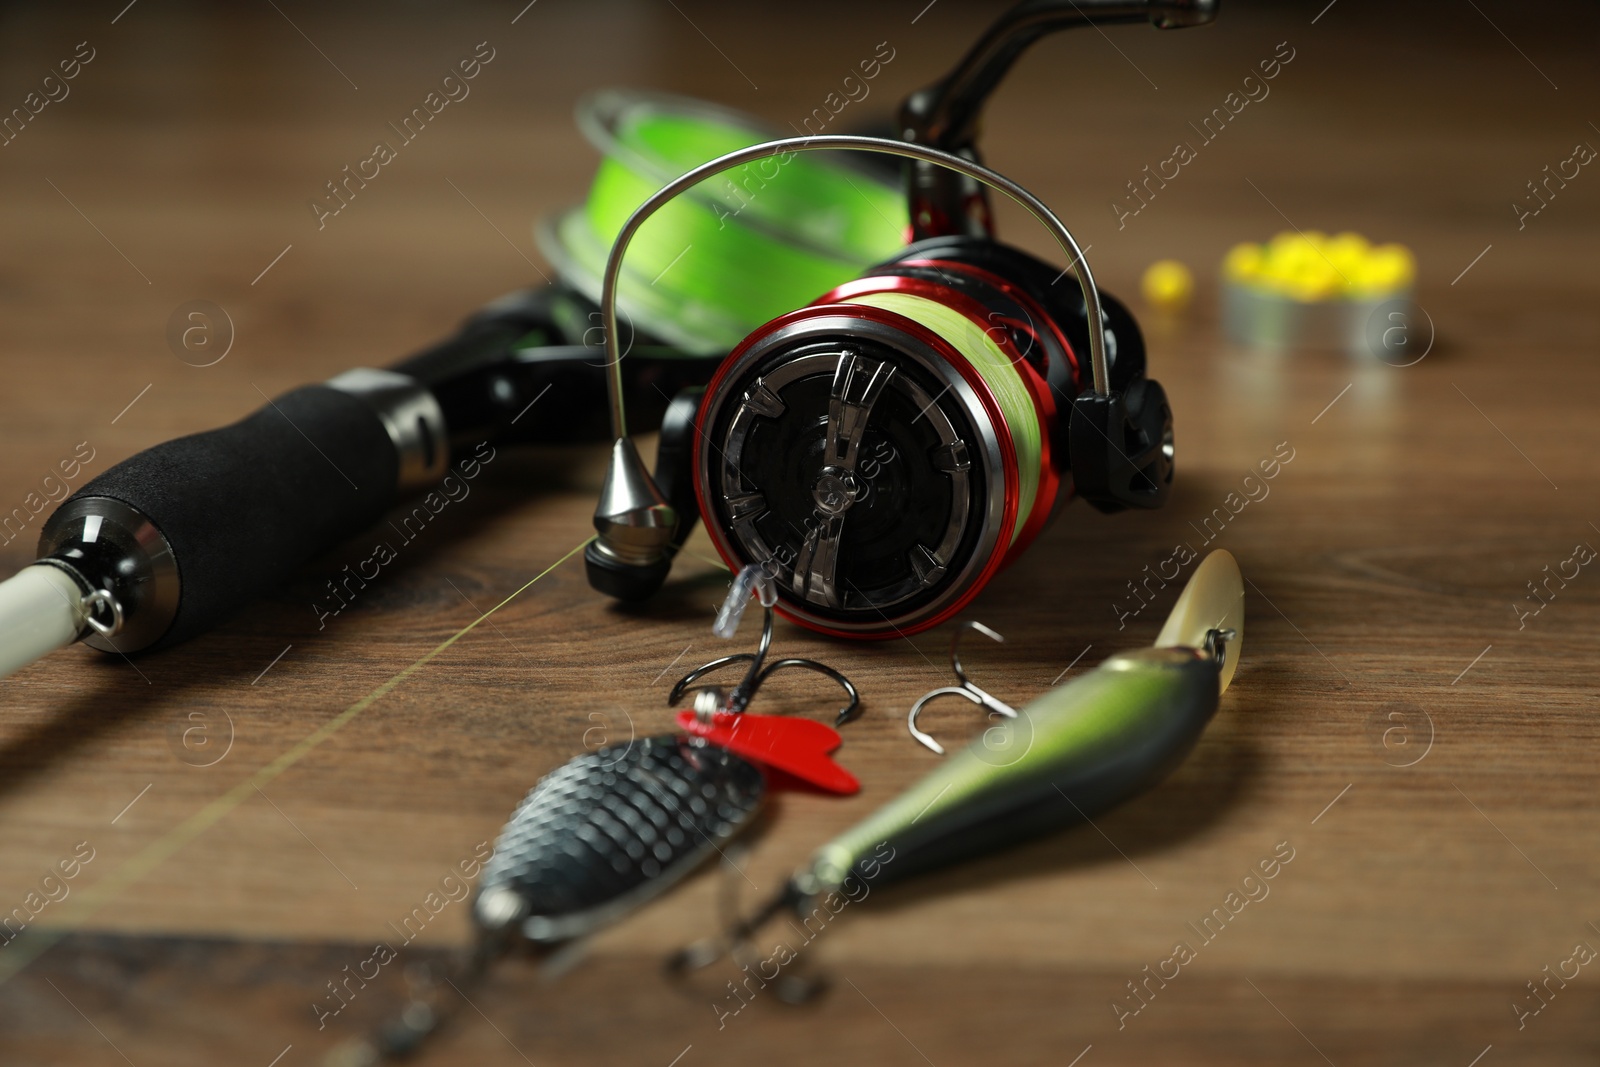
(611, 829)
(1072, 753)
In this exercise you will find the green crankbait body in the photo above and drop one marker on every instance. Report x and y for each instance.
(1071, 754)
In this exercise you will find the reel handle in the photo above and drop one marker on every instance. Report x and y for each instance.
(945, 115)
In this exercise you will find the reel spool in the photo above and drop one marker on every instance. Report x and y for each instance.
(731, 254)
(883, 452)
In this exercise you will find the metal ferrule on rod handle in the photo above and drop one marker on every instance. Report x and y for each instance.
(412, 418)
(634, 520)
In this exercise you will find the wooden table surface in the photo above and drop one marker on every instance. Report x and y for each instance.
(1426, 752)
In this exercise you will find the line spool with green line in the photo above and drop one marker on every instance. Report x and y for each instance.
(736, 251)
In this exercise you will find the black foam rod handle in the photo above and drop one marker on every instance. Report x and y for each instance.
(245, 505)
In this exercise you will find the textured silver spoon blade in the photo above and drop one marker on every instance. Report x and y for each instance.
(608, 830)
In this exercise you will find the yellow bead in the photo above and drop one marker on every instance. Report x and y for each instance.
(1312, 285)
(1399, 262)
(1347, 252)
(1386, 269)
(1311, 266)
(1243, 263)
(1167, 286)
(1287, 256)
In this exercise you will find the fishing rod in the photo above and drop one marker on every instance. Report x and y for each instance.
(170, 542)
(175, 539)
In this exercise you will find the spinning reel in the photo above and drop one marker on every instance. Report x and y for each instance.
(882, 452)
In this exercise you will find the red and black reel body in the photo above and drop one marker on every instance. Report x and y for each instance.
(882, 452)
(871, 451)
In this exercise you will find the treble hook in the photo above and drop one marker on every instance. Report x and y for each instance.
(965, 689)
(737, 936)
(753, 581)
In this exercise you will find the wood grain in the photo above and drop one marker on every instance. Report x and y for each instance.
(1384, 563)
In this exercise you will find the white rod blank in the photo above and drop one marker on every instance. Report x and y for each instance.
(41, 610)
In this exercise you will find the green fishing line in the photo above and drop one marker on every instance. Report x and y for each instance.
(737, 250)
(1004, 379)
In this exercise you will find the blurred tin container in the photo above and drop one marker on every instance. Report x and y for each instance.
(1259, 318)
